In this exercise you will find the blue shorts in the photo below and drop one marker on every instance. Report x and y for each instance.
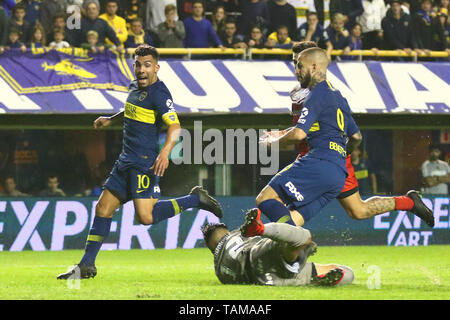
(127, 182)
(308, 185)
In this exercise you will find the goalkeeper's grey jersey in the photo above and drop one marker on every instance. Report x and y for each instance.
(257, 260)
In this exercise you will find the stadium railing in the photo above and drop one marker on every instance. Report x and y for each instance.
(248, 53)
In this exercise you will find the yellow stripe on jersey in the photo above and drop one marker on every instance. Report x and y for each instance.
(139, 114)
(329, 84)
(315, 127)
(170, 118)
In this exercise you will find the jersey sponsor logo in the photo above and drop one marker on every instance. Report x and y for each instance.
(139, 191)
(303, 115)
(156, 189)
(139, 113)
(337, 147)
(169, 104)
(293, 190)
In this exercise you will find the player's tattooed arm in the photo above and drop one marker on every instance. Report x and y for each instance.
(353, 142)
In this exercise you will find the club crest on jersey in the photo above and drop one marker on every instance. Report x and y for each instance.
(143, 96)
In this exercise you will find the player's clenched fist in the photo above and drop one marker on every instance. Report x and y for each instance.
(101, 122)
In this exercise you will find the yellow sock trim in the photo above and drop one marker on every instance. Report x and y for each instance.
(284, 219)
(94, 237)
(176, 207)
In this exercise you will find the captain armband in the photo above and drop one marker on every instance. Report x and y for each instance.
(170, 118)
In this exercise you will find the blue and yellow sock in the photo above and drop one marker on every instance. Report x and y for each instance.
(165, 209)
(276, 211)
(99, 231)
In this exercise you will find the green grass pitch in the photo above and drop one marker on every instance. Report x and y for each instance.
(405, 273)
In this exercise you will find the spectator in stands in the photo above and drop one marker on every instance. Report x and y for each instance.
(118, 24)
(350, 9)
(323, 11)
(137, 35)
(370, 21)
(254, 12)
(11, 190)
(218, 19)
(19, 23)
(256, 38)
(199, 31)
(355, 37)
(38, 39)
(312, 30)
(338, 34)
(133, 10)
(438, 4)
(171, 32)
(355, 41)
(8, 5)
(279, 39)
(367, 180)
(59, 22)
(92, 43)
(32, 11)
(3, 29)
(52, 189)
(436, 174)
(14, 41)
(92, 22)
(58, 42)
(397, 29)
(155, 13)
(185, 8)
(282, 13)
(422, 26)
(229, 38)
(48, 11)
(302, 7)
(441, 34)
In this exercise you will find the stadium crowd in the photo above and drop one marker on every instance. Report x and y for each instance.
(405, 25)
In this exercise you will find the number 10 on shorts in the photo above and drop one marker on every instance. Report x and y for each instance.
(143, 181)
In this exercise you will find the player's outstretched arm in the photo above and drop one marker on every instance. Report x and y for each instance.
(288, 136)
(103, 121)
(162, 161)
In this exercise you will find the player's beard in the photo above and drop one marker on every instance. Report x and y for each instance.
(305, 81)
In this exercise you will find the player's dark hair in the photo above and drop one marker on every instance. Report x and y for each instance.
(209, 228)
(303, 45)
(147, 50)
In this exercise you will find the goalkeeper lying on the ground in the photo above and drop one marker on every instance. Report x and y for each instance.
(269, 254)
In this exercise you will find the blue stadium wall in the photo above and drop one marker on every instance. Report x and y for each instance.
(57, 224)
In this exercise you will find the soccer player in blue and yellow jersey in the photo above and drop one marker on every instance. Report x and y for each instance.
(302, 189)
(136, 173)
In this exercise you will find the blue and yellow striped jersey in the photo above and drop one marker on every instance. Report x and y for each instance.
(145, 111)
(327, 120)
